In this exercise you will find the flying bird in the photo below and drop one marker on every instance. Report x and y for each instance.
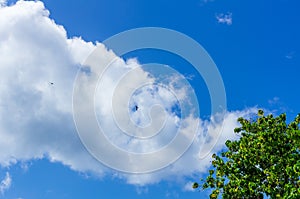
(136, 107)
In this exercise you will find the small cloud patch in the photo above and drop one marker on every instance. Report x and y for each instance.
(223, 18)
(5, 183)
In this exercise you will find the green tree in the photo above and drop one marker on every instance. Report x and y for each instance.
(264, 161)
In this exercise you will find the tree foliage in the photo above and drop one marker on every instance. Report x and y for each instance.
(264, 161)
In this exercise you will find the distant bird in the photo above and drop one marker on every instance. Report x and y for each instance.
(51, 83)
(136, 107)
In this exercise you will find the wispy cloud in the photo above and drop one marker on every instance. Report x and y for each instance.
(290, 55)
(224, 18)
(189, 186)
(3, 3)
(278, 106)
(172, 194)
(5, 183)
(273, 101)
(207, 1)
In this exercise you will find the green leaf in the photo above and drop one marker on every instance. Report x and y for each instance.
(195, 185)
(260, 113)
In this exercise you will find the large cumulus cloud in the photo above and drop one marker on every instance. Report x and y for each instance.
(38, 66)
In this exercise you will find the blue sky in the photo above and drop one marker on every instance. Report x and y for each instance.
(261, 44)
(254, 44)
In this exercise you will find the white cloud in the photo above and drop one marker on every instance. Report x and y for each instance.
(3, 3)
(5, 183)
(36, 117)
(189, 186)
(224, 18)
(197, 159)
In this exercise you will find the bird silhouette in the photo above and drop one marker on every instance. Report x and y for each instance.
(136, 107)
